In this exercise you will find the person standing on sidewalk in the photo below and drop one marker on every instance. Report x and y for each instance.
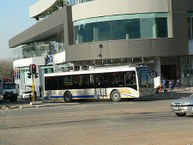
(178, 83)
(171, 85)
(164, 84)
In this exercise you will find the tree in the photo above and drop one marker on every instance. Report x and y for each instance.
(6, 69)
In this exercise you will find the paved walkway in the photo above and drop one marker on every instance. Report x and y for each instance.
(175, 93)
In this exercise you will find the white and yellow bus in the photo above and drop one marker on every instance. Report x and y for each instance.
(115, 83)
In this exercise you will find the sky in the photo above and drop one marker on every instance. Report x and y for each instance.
(15, 19)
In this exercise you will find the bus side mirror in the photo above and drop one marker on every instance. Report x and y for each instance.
(154, 74)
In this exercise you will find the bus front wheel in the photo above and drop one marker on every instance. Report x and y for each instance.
(115, 96)
(67, 97)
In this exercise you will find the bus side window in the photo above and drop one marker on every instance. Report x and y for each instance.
(86, 81)
(77, 81)
(113, 79)
(100, 80)
(120, 79)
(59, 83)
(130, 79)
(91, 80)
(67, 82)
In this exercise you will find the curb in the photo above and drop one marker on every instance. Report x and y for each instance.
(37, 105)
(48, 105)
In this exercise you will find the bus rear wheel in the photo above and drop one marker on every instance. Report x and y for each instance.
(67, 97)
(115, 96)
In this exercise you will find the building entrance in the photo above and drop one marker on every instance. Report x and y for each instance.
(169, 72)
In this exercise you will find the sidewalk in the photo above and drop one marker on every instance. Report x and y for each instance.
(38, 104)
(175, 93)
(169, 95)
(185, 91)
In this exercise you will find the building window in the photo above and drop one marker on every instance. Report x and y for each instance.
(116, 31)
(190, 25)
(37, 49)
(147, 27)
(190, 28)
(121, 27)
(104, 31)
(161, 27)
(132, 29)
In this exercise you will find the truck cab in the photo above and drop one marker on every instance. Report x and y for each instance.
(10, 91)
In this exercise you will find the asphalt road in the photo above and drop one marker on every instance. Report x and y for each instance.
(136, 122)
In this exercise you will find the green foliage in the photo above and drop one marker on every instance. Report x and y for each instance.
(6, 69)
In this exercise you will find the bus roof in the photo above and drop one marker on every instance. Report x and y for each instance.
(104, 69)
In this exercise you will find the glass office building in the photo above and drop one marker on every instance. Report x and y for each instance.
(69, 33)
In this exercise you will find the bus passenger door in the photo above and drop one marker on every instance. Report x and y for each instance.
(100, 90)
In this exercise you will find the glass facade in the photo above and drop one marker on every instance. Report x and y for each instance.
(186, 69)
(74, 2)
(152, 25)
(190, 25)
(37, 49)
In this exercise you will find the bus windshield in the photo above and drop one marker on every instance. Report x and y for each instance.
(145, 78)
